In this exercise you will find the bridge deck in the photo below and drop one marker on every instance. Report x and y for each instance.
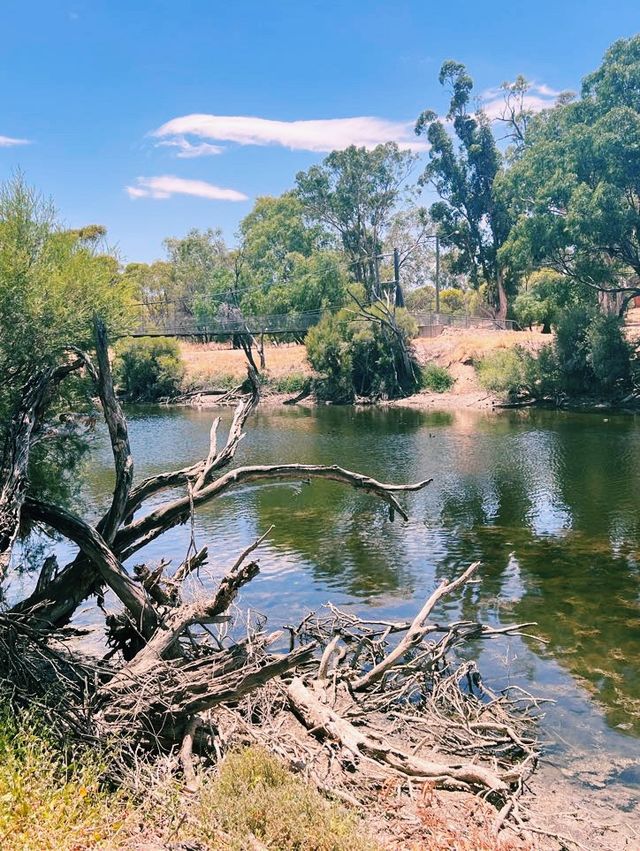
(292, 323)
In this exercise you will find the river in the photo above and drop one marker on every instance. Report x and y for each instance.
(548, 501)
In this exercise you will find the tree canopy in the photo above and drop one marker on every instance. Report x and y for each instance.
(574, 189)
(463, 168)
(355, 192)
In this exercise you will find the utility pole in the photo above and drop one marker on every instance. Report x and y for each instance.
(437, 274)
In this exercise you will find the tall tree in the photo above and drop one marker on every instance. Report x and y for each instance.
(52, 284)
(470, 217)
(355, 192)
(197, 260)
(575, 188)
(288, 265)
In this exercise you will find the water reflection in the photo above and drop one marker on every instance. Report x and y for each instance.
(547, 501)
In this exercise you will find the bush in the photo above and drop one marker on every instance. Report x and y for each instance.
(590, 357)
(452, 300)
(363, 357)
(502, 372)
(422, 299)
(255, 795)
(148, 369)
(593, 355)
(436, 378)
(609, 353)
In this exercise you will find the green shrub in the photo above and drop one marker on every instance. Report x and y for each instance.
(609, 353)
(292, 383)
(436, 378)
(422, 299)
(592, 353)
(355, 355)
(148, 369)
(452, 300)
(502, 372)
(590, 356)
(572, 349)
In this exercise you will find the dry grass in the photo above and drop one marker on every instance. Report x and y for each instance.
(49, 800)
(211, 360)
(459, 349)
(455, 349)
(54, 799)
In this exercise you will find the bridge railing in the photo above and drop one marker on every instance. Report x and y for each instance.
(175, 324)
(454, 320)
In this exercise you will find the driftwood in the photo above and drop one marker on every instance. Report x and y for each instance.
(354, 701)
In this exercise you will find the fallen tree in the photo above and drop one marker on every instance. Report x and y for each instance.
(350, 702)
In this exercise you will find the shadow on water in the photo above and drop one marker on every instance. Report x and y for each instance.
(548, 501)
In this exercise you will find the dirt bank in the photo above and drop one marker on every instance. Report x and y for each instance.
(456, 349)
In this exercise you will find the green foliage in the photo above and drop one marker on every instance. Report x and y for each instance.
(593, 355)
(545, 295)
(572, 347)
(502, 372)
(422, 299)
(52, 283)
(255, 795)
(452, 300)
(609, 353)
(273, 231)
(149, 368)
(436, 378)
(470, 217)
(295, 382)
(361, 356)
(589, 357)
(312, 283)
(573, 190)
(354, 193)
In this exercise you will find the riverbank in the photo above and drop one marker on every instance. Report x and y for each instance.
(216, 366)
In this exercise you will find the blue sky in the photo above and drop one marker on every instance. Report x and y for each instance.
(88, 83)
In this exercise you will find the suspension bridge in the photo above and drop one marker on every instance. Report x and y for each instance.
(174, 323)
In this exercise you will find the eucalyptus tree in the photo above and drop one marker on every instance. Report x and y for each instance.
(574, 190)
(463, 167)
(288, 264)
(355, 193)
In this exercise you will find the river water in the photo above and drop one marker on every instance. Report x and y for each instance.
(548, 501)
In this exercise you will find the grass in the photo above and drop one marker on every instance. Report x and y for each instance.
(54, 798)
(51, 798)
(255, 795)
(213, 360)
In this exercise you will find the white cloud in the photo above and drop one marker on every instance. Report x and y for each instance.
(9, 142)
(165, 186)
(186, 149)
(320, 136)
(538, 97)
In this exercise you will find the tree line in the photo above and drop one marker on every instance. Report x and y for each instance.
(534, 212)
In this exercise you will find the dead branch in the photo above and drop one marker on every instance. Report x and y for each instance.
(323, 719)
(186, 755)
(417, 630)
(100, 555)
(134, 536)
